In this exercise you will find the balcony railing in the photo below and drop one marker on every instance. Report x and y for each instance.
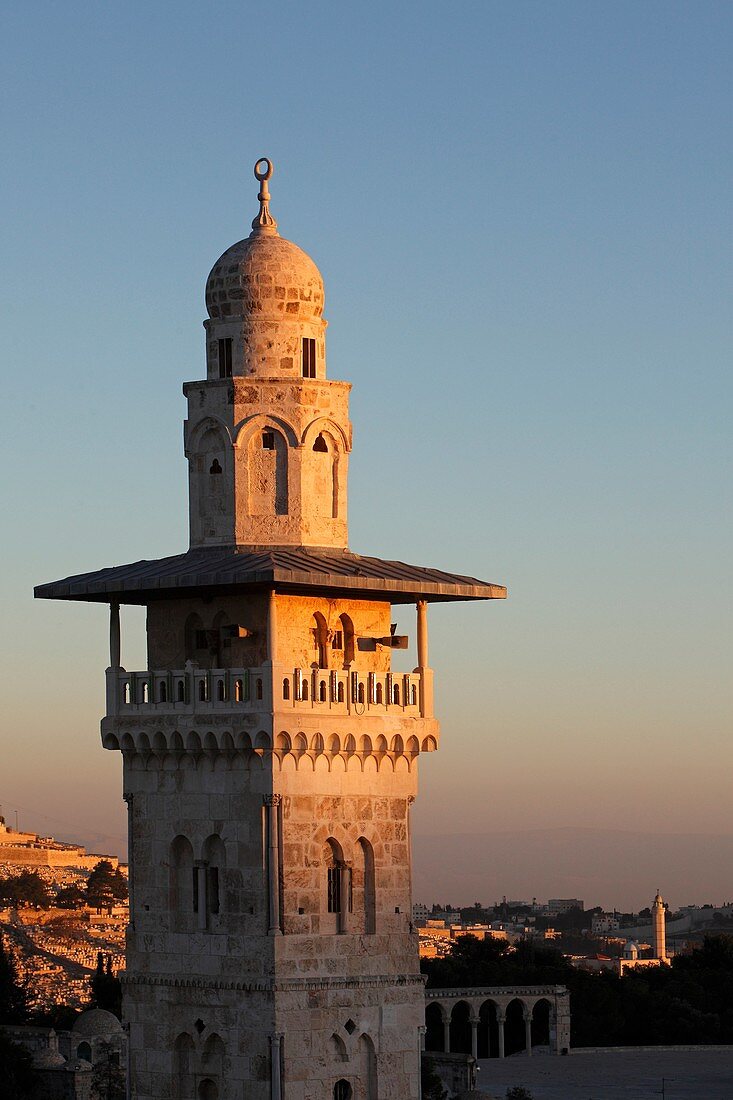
(201, 691)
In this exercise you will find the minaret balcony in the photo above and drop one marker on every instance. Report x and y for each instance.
(304, 690)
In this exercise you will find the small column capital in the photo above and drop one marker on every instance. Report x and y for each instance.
(272, 799)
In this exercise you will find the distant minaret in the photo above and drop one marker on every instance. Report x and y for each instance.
(659, 938)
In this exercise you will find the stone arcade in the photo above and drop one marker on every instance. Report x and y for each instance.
(270, 752)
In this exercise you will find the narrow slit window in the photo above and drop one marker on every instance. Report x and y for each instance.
(225, 358)
(268, 441)
(309, 357)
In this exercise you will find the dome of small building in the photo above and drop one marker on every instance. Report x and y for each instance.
(631, 950)
(265, 276)
(97, 1023)
(78, 1065)
(48, 1058)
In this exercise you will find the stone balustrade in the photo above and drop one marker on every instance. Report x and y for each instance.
(203, 691)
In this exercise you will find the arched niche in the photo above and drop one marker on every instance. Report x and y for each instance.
(181, 885)
(267, 471)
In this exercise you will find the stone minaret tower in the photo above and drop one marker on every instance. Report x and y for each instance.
(269, 749)
(659, 933)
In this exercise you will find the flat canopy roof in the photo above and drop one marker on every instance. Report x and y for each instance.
(296, 570)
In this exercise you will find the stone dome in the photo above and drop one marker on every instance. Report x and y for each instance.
(265, 277)
(96, 1023)
(48, 1058)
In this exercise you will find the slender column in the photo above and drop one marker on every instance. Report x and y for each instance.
(446, 1035)
(422, 634)
(114, 636)
(474, 1021)
(272, 801)
(276, 1092)
(501, 1020)
(271, 627)
(420, 1049)
(528, 1032)
(128, 1062)
(344, 883)
(202, 901)
(130, 864)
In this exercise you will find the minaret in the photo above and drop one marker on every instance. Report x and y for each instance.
(270, 749)
(659, 936)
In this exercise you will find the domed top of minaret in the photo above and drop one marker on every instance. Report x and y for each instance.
(265, 276)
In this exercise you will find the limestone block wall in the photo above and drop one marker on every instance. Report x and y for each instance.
(289, 487)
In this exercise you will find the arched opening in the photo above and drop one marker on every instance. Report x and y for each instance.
(267, 467)
(342, 1090)
(320, 444)
(320, 639)
(207, 460)
(360, 693)
(220, 691)
(368, 1059)
(345, 635)
(286, 688)
(181, 885)
(413, 695)
(214, 853)
(514, 1039)
(396, 694)
(368, 886)
(144, 692)
(541, 1023)
(258, 689)
(460, 1029)
(339, 1049)
(379, 695)
(208, 1090)
(488, 1031)
(126, 692)
(340, 692)
(183, 1067)
(195, 642)
(304, 689)
(238, 691)
(212, 1062)
(84, 1051)
(322, 691)
(434, 1031)
(337, 883)
(180, 691)
(202, 691)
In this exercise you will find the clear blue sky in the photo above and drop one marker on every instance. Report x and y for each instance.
(521, 211)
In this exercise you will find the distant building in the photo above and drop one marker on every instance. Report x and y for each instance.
(556, 906)
(29, 851)
(602, 924)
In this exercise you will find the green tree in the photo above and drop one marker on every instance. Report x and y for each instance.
(106, 988)
(25, 889)
(71, 897)
(432, 1086)
(105, 886)
(13, 1006)
(19, 1079)
(108, 1077)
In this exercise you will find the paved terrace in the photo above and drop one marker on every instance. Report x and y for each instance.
(700, 1073)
